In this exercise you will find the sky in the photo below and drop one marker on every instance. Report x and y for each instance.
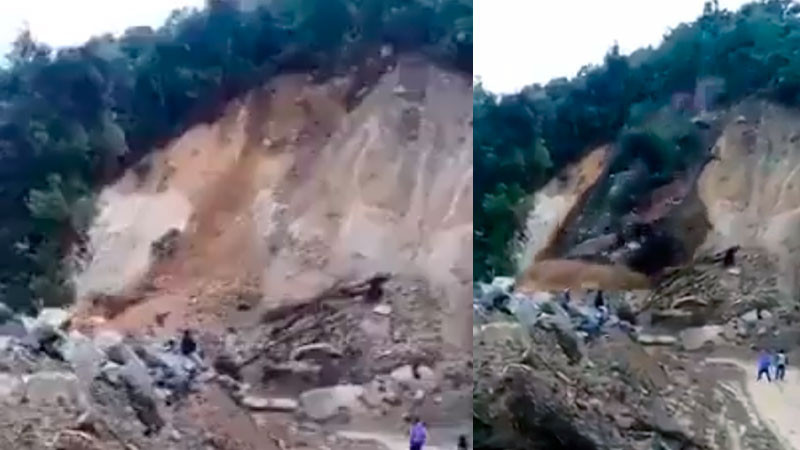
(62, 23)
(521, 42)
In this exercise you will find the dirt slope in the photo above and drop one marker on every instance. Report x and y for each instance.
(752, 190)
(555, 205)
(289, 192)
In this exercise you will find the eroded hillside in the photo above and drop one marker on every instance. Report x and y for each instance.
(317, 238)
(292, 191)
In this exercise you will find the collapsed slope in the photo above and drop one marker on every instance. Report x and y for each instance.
(291, 191)
(751, 189)
(745, 194)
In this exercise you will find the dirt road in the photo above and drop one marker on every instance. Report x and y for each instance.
(777, 404)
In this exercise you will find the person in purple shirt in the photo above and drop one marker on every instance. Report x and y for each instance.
(418, 435)
(764, 361)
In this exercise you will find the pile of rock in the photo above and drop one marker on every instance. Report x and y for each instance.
(59, 374)
(527, 395)
(708, 292)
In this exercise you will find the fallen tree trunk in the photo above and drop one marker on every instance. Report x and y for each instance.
(336, 291)
(300, 308)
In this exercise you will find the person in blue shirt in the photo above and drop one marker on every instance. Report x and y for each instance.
(764, 362)
(418, 435)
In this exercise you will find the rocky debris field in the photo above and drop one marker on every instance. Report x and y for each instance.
(325, 377)
(541, 381)
(706, 291)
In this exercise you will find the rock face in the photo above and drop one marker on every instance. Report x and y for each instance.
(751, 200)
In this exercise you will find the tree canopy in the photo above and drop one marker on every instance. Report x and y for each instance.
(73, 118)
(522, 140)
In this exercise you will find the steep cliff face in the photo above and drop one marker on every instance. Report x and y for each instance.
(751, 190)
(292, 190)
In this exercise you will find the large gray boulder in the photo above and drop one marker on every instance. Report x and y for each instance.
(11, 388)
(696, 338)
(84, 356)
(326, 403)
(54, 317)
(141, 395)
(53, 387)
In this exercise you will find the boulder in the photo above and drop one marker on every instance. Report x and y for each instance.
(141, 394)
(504, 283)
(257, 403)
(120, 353)
(566, 335)
(379, 391)
(696, 337)
(326, 403)
(750, 317)
(11, 387)
(404, 376)
(105, 339)
(384, 309)
(54, 317)
(84, 356)
(492, 296)
(504, 333)
(52, 387)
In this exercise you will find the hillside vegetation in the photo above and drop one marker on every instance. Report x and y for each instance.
(73, 119)
(523, 140)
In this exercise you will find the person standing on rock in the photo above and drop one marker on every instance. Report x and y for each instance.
(188, 344)
(764, 362)
(565, 300)
(418, 435)
(780, 365)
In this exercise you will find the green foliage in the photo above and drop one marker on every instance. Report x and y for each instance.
(72, 119)
(719, 58)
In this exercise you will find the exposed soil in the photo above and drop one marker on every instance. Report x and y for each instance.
(289, 193)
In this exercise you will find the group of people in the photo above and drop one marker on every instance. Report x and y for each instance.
(767, 360)
(593, 323)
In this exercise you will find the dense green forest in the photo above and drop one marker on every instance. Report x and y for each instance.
(522, 140)
(74, 118)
